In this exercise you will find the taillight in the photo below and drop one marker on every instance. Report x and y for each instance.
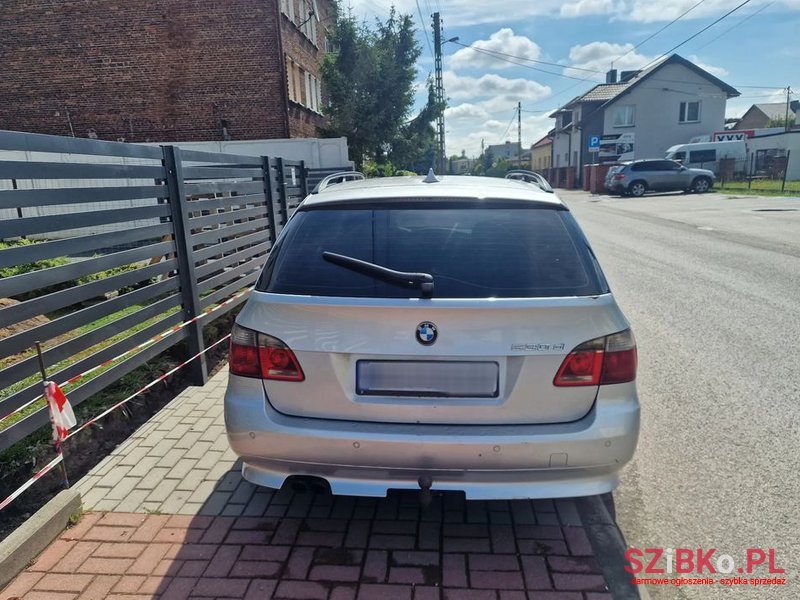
(619, 176)
(619, 360)
(254, 354)
(601, 361)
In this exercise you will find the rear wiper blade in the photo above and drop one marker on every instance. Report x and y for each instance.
(423, 281)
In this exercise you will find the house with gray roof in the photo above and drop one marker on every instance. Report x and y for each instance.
(641, 114)
(759, 116)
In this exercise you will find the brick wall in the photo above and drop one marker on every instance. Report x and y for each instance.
(304, 122)
(164, 70)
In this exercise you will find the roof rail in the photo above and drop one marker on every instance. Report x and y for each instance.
(530, 177)
(338, 178)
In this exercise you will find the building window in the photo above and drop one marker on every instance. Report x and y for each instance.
(624, 115)
(293, 78)
(566, 118)
(308, 24)
(304, 88)
(689, 112)
(329, 45)
(287, 8)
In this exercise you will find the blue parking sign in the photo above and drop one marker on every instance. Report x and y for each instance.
(594, 143)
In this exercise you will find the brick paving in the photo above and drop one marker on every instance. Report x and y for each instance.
(172, 519)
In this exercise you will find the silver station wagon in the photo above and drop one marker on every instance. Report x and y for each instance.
(450, 333)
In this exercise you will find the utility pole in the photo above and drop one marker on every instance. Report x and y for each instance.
(519, 135)
(786, 118)
(437, 45)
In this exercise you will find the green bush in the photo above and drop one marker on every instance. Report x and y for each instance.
(375, 169)
(28, 267)
(58, 261)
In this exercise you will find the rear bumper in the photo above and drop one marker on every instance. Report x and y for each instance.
(615, 186)
(485, 461)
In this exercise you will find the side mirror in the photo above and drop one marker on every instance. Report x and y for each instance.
(684, 168)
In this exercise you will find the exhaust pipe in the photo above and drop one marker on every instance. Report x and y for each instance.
(308, 483)
(425, 498)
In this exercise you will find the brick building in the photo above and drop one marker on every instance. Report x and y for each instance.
(167, 70)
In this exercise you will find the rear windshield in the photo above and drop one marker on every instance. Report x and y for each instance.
(470, 252)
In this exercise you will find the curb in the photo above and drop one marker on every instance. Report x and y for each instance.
(609, 548)
(35, 534)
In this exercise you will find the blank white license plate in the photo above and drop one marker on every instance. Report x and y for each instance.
(454, 379)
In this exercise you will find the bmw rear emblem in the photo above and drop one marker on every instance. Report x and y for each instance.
(427, 333)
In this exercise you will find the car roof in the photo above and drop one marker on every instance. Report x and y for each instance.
(457, 187)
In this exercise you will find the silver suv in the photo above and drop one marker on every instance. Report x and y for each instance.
(450, 333)
(657, 175)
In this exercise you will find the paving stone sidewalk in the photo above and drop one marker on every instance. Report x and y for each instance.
(172, 519)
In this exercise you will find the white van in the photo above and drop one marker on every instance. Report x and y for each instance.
(706, 155)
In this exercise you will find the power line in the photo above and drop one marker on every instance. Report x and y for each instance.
(425, 29)
(747, 18)
(541, 62)
(503, 137)
(760, 87)
(678, 18)
(691, 37)
(524, 66)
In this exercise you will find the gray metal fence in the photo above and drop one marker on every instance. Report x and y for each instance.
(204, 235)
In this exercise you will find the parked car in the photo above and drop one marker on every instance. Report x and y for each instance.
(657, 175)
(452, 333)
(708, 154)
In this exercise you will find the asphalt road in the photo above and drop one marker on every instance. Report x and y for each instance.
(711, 285)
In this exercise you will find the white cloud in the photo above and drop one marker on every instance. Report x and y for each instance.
(463, 87)
(503, 41)
(464, 137)
(598, 56)
(584, 8)
(646, 11)
(715, 71)
(494, 124)
(466, 111)
(460, 13)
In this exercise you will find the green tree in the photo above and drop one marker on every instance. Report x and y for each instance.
(370, 86)
(781, 121)
(500, 169)
(414, 148)
(487, 160)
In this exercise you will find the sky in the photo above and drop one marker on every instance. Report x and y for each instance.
(755, 49)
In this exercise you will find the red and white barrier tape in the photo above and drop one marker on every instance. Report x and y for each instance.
(135, 349)
(144, 388)
(93, 420)
(157, 338)
(48, 467)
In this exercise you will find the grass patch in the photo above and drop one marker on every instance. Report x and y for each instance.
(33, 379)
(210, 333)
(28, 267)
(761, 187)
(75, 518)
(91, 445)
